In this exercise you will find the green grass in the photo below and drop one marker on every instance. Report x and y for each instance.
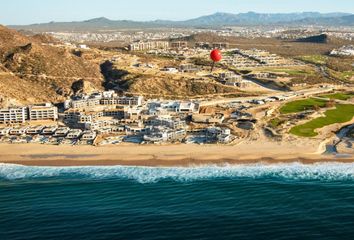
(339, 96)
(293, 71)
(302, 105)
(316, 59)
(342, 113)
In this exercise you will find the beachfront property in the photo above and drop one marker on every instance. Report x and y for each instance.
(13, 115)
(84, 117)
(164, 134)
(217, 134)
(74, 134)
(88, 136)
(18, 131)
(61, 132)
(18, 115)
(35, 130)
(167, 121)
(102, 101)
(49, 130)
(44, 111)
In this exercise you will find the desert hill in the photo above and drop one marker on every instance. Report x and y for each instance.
(39, 71)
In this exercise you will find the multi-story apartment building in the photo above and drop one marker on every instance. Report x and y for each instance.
(85, 103)
(43, 112)
(13, 115)
(125, 100)
(141, 46)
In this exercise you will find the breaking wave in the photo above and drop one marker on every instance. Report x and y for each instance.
(291, 171)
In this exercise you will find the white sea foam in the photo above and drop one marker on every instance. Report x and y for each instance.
(295, 171)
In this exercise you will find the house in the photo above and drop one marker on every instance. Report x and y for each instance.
(18, 131)
(88, 136)
(74, 134)
(49, 130)
(164, 134)
(188, 107)
(217, 134)
(35, 130)
(61, 132)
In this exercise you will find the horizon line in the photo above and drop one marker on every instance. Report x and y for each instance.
(217, 12)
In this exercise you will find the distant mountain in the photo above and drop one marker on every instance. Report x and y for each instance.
(347, 20)
(214, 20)
(252, 18)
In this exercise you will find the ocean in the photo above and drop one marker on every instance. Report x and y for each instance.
(282, 201)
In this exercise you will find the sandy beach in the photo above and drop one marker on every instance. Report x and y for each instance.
(166, 155)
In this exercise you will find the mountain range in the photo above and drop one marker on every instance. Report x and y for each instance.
(215, 20)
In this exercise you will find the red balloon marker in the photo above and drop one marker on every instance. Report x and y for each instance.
(216, 56)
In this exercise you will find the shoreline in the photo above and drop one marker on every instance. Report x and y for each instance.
(168, 156)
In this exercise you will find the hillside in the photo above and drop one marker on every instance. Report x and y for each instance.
(31, 70)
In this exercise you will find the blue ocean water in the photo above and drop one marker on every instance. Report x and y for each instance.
(283, 201)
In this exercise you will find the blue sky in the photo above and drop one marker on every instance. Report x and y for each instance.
(37, 11)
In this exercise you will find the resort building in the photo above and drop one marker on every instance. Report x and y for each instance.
(13, 115)
(43, 112)
(167, 121)
(124, 100)
(84, 103)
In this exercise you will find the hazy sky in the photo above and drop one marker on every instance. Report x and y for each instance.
(38, 11)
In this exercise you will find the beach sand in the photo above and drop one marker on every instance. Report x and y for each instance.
(165, 155)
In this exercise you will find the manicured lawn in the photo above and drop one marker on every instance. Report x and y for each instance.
(339, 96)
(342, 113)
(302, 105)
